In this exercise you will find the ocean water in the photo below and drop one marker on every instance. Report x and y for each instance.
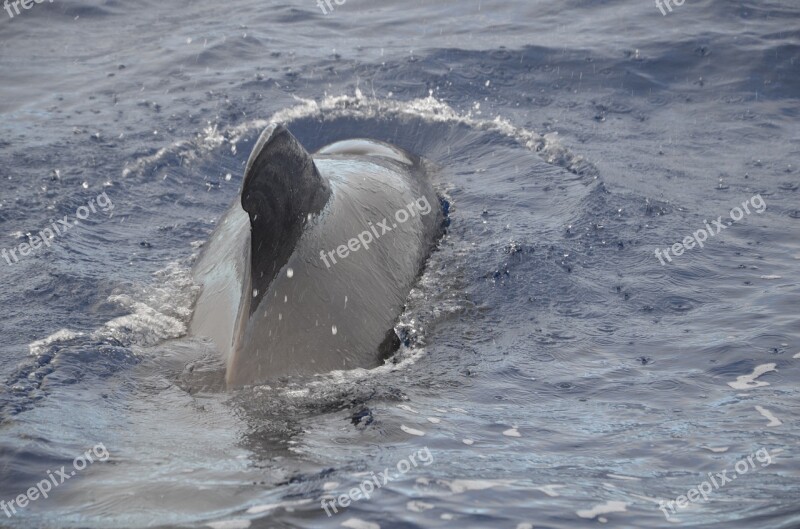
(554, 373)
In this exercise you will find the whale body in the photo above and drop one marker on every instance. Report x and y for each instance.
(310, 269)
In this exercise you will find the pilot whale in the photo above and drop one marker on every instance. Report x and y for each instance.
(310, 269)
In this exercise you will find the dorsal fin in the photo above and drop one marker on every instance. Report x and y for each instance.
(282, 187)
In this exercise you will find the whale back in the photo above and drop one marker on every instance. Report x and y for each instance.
(330, 264)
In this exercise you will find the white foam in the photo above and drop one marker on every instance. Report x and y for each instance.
(608, 507)
(351, 377)
(267, 507)
(624, 478)
(230, 524)
(458, 486)
(356, 523)
(39, 346)
(512, 432)
(418, 506)
(411, 431)
(358, 105)
(146, 325)
(749, 381)
(157, 312)
(773, 421)
(550, 490)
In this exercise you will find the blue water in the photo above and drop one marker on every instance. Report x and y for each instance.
(559, 374)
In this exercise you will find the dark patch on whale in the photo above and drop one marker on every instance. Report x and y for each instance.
(291, 282)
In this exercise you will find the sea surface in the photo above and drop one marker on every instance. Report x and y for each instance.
(554, 373)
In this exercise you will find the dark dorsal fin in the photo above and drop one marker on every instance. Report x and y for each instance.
(282, 187)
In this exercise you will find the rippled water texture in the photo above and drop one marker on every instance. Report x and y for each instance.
(554, 374)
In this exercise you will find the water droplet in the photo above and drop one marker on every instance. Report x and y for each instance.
(334, 330)
(286, 299)
(280, 317)
(228, 177)
(289, 272)
(255, 292)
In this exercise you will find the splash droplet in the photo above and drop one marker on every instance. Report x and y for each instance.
(289, 272)
(255, 292)
(334, 330)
